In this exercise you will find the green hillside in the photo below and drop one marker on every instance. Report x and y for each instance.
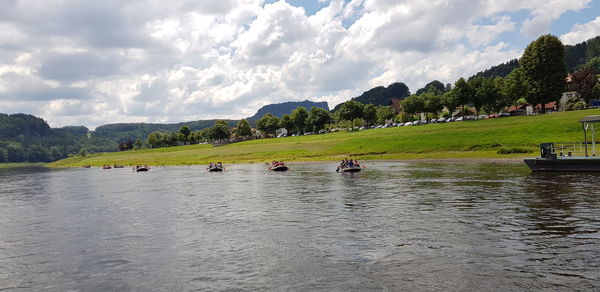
(470, 139)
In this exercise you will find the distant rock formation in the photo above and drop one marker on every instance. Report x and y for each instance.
(280, 109)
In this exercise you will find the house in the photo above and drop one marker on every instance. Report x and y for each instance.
(550, 107)
(562, 103)
(395, 104)
(458, 112)
(519, 110)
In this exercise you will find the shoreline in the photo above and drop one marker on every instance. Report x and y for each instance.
(414, 160)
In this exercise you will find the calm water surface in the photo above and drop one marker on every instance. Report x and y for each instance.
(394, 227)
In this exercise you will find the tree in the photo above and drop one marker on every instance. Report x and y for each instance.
(490, 92)
(478, 97)
(299, 116)
(593, 63)
(194, 137)
(268, 124)
(543, 64)
(172, 139)
(244, 129)
(413, 104)
(286, 123)
(3, 156)
(37, 153)
(220, 131)
(351, 110)
(450, 101)
(205, 135)
(185, 132)
(515, 86)
(462, 92)
(432, 102)
(138, 144)
(15, 153)
(317, 118)
(583, 82)
(155, 139)
(384, 113)
(596, 91)
(370, 114)
(56, 153)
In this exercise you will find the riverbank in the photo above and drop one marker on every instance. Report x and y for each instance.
(435, 142)
(20, 164)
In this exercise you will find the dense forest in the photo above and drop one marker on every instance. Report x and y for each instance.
(28, 138)
(131, 131)
(279, 109)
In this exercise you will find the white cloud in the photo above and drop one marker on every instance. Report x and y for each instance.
(547, 12)
(93, 62)
(582, 32)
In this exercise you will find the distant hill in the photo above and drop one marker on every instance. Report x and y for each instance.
(501, 70)
(382, 95)
(130, 131)
(27, 138)
(581, 53)
(280, 109)
(434, 85)
(575, 57)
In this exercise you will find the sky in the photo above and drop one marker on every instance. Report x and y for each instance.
(78, 62)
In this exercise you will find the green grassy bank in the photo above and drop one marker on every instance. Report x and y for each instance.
(470, 139)
(20, 164)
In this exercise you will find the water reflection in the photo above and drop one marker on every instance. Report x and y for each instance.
(394, 226)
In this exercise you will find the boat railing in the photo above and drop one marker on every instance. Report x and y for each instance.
(574, 149)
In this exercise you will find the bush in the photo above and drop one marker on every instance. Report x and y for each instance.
(511, 150)
(580, 105)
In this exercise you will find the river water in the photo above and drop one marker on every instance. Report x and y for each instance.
(394, 227)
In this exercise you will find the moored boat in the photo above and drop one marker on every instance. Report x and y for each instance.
(106, 167)
(570, 157)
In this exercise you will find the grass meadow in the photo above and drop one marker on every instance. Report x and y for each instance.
(457, 140)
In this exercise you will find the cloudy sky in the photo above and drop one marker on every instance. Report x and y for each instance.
(76, 62)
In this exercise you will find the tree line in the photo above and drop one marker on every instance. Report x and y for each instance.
(539, 78)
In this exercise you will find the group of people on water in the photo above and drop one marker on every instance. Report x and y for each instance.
(213, 165)
(346, 162)
(276, 163)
